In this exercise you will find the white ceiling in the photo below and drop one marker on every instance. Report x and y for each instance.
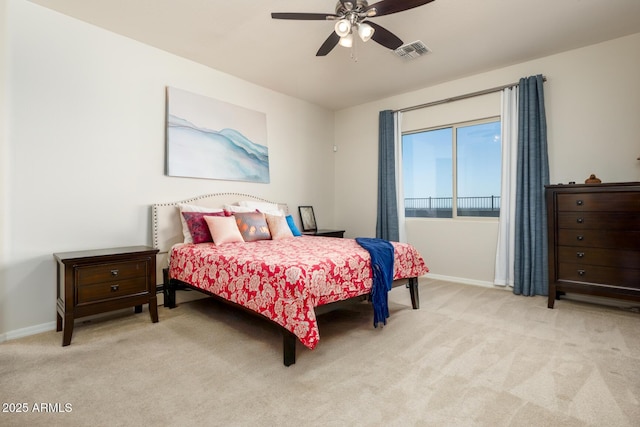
(466, 37)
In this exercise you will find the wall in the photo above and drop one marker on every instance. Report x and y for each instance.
(4, 151)
(85, 153)
(592, 99)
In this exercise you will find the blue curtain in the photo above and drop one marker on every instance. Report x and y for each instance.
(387, 226)
(531, 264)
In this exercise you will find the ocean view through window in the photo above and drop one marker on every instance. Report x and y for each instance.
(453, 170)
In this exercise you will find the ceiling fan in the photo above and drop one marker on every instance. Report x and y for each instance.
(352, 17)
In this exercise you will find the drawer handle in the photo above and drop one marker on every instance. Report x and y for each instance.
(580, 220)
(581, 238)
(114, 288)
(580, 254)
(114, 273)
(582, 272)
(579, 202)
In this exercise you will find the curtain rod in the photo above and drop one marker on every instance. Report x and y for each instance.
(460, 97)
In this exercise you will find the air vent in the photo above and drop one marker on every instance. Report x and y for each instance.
(412, 50)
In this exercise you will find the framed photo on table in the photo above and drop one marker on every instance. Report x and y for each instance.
(308, 218)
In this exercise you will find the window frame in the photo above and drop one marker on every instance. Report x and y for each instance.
(454, 166)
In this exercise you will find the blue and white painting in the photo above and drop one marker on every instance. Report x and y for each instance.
(207, 138)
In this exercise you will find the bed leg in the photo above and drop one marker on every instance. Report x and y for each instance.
(415, 295)
(289, 347)
(169, 294)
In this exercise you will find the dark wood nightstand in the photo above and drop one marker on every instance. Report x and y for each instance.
(327, 233)
(97, 281)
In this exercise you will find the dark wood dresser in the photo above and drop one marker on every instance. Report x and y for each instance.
(594, 240)
(97, 281)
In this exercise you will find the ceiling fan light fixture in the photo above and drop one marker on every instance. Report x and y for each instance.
(351, 17)
(346, 41)
(365, 31)
(343, 27)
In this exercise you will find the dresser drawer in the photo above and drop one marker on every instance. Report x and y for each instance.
(112, 289)
(614, 201)
(616, 239)
(598, 256)
(93, 274)
(618, 277)
(599, 220)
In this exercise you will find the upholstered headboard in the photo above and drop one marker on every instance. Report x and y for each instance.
(167, 227)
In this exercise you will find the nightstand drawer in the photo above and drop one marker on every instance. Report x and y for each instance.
(91, 275)
(113, 289)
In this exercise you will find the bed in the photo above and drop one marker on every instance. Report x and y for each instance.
(287, 280)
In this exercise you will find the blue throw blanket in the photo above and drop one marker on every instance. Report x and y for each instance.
(381, 252)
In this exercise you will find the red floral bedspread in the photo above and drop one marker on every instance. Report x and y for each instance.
(285, 279)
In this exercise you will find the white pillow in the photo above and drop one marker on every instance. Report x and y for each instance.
(264, 207)
(234, 208)
(223, 229)
(183, 207)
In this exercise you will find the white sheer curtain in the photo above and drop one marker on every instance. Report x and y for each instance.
(402, 230)
(505, 254)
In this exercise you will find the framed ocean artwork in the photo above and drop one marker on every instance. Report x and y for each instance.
(208, 138)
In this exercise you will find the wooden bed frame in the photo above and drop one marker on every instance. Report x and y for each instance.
(167, 231)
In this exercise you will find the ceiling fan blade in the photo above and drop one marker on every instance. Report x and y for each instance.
(305, 16)
(387, 7)
(328, 44)
(385, 37)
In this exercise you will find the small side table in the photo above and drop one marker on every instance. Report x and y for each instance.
(98, 281)
(327, 233)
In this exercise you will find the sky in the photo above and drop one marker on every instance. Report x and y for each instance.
(428, 167)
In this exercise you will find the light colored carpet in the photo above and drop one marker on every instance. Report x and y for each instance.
(470, 356)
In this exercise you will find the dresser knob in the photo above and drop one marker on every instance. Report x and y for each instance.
(580, 220)
(582, 272)
(580, 254)
(579, 202)
(114, 288)
(114, 273)
(580, 238)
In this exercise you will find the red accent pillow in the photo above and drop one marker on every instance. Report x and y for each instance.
(198, 226)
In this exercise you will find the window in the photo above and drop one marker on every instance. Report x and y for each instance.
(454, 169)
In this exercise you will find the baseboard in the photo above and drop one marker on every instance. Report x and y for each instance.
(25, 332)
(466, 281)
